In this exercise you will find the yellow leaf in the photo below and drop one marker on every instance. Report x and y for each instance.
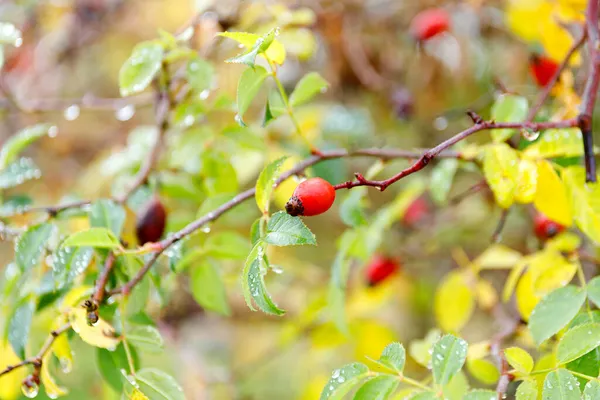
(545, 363)
(75, 296)
(584, 201)
(284, 191)
(566, 242)
(327, 336)
(500, 167)
(454, 302)
(556, 40)
(513, 278)
(52, 389)
(519, 359)
(556, 143)
(275, 52)
(524, 18)
(10, 384)
(486, 294)
(526, 297)
(478, 350)
(574, 5)
(483, 370)
(551, 195)
(101, 334)
(497, 256)
(138, 395)
(420, 350)
(61, 347)
(549, 271)
(526, 182)
(371, 337)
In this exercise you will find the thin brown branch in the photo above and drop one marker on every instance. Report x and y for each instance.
(497, 235)
(590, 91)
(509, 327)
(37, 360)
(100, 287)
(543, 96)
(424, 160)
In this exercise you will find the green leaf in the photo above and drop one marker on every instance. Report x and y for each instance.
(9, 34)
(218, 173)
(508, 108)
(501, 168)
(481, 395)
(253, 282)
(110, 364)
(206, 285)
(227, 245)
(344, 380)
(554, 312)
(393, 356)
(31, 245)
(18, 172)
(527, 390)
(378, 388)
(22, 139)
(457, 387)
(19, 326)
(265, 182)
(14, 205)
(448, 357)
(561, 385)
(585, 201)
(578, 341)
(591, 390)
(285, 230)
(68, 263)
(107, 214)
(310, 85)
(140, 68)
(145, 337)
(442, 176)
(557, 143)
(593, 290)
(352, 208)
(269, 114)
(519, 359)
(257, 44)
(248, 87)
(255, 231)
(157, 385)
(199, 74)
(100, 238)
(483, 370)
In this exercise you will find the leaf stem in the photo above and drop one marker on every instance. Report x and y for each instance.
(125, 344)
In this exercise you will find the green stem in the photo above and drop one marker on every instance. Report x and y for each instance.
(414, 382)
(287, 105)
(125, 344)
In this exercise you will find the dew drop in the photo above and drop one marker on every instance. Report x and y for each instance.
(204, 94)
(530, 134)
(440, 123)
(53, 131)
(30, 388)
(205, 229)
(66, 365)
(125, 113)
(18, 42)
(72, 112)
(277, 269)
(335, 374)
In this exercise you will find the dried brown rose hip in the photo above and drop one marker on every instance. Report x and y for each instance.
(151, 222)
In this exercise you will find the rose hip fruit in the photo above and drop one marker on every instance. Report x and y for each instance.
(314, 196)
(542, 69)
(429, 23)
(545, 228)
(416, 211)
(380, 268)
(151, 222)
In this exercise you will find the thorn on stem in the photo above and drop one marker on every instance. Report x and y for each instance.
(476, 118)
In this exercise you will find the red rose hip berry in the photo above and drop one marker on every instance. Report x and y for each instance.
(314, 196)
(380, 268)
(429, 23)
(151, 222)
(545, 228)
(416, 212)
(542, 69)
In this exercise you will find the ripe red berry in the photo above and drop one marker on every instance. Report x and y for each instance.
(542, 69)
(380, 268)
(545, 228)
(429, 23)
(314, 196)
(151, 222)
(416, 211)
